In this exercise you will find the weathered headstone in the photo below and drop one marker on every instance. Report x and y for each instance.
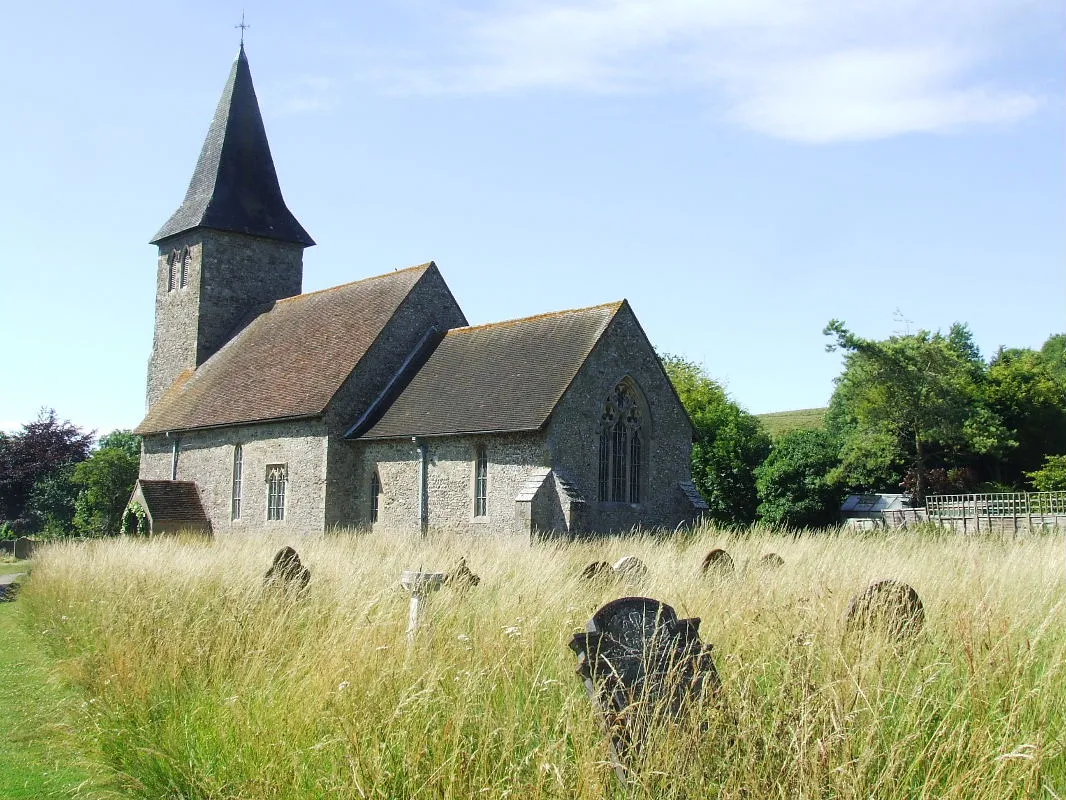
(9, 586)
(719, 562)
(24, 548)
(630, 569)
(462, 577)
(597, 571)
(889, 605)
(771, 561)
(287, 572)
(641, 665)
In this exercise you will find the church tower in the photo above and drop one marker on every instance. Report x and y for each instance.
(231, 249)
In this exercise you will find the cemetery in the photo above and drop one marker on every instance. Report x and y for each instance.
(704, 664)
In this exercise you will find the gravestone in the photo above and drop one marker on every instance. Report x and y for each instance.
(420, 585)
(23, 548)
(771, 561)
(9, 586)
(630, 569)
(462, 577)
(287, 572)
(889, 605)
(597, 571)
(719, 562)
(641, 665)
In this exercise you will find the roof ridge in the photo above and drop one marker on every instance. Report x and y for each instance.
(615, 304)
(424, 266)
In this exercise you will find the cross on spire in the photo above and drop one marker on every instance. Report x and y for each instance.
(243, 27)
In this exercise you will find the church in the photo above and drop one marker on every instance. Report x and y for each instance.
(374, 404)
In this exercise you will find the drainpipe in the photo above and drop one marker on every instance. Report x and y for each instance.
(423, 487)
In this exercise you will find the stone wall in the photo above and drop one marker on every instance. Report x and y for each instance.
(573, 432)
(207, 457)
(232, 277)
(449, 480)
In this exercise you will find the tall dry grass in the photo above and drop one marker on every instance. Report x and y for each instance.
(199, 684)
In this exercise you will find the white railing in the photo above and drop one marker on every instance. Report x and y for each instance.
(1028, 506)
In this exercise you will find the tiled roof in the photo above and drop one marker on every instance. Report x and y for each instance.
(507, 376)
(234, 186)
(173, 501)
(289, 361)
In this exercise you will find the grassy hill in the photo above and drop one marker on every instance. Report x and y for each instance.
(780, 422)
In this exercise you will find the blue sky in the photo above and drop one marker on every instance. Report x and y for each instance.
(742, 171)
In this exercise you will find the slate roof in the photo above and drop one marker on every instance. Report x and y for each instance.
(506, 376)
(289, 361)
(234, 186)
(173, 501)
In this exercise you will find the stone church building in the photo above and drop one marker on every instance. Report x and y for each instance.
(375, 404)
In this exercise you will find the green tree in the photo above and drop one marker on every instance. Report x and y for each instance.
(728, 445)
(793, 482)
(908, 404)
(1054, 355)
(50, 509)
(1023, 391)
(106, 481)
(38, 450)
(1052, 476)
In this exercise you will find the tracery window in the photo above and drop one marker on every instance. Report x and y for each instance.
(186, 263)
(481, 482)
(238, 469)
(622, 446)
(375, 496)
(277, 477)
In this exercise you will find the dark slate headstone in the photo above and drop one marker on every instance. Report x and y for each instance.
(640, 665)
(891, 606)
(462, 577)
(771, 561)
(24, 548)
(718, 562)
(597, 571)
(286, 571)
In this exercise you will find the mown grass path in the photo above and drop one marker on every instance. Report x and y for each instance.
(34, 760)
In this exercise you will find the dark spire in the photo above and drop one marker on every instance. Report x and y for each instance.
(234, 186)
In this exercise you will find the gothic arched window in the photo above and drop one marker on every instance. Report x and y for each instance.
(622, 446)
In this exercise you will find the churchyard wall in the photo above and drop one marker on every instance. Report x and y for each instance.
(206, 457)
(573, 432)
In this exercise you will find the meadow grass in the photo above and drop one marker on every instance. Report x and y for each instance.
(778, 423)
(198, 683)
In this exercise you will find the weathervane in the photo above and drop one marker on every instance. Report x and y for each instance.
(243, 27)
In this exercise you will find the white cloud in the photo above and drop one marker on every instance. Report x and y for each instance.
(804, 70)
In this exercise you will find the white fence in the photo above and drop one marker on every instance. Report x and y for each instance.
(1005, 511)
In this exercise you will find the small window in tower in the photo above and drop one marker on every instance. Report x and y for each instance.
(174, 262)
(481, 483)
(375, 497)
(277, 477)
(186, 263)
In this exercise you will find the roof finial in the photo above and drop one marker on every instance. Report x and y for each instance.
(243, 28)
